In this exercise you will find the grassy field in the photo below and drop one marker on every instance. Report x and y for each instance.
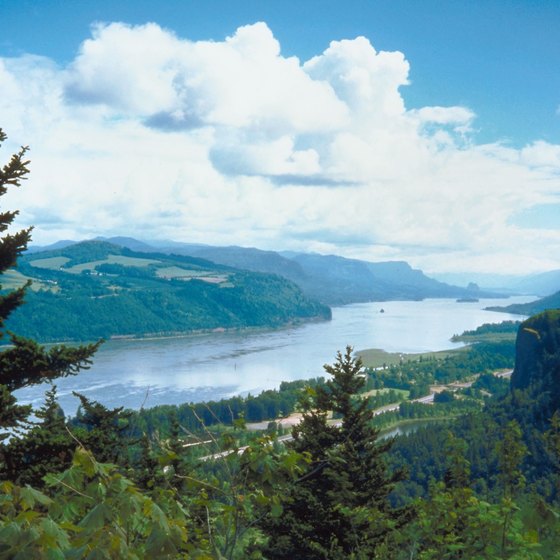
(402, 392)
(12, 279)
(179, 273)
(168, 272)
(486, 337)
(375, 357)
(52, 263)
(111, 259)
(55, 263)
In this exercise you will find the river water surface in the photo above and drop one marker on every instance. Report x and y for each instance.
(135, 373)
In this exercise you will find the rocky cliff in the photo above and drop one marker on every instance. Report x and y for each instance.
(537, 360)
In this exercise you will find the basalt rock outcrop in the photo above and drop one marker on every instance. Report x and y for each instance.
(537, 360)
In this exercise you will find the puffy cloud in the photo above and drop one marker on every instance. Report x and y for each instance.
(240, 82)
(541, 154)
(129, 69)
(365, 80)
(149, 134)
(444, 115)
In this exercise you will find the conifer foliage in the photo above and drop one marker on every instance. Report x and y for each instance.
(339, 507)
(24, 362)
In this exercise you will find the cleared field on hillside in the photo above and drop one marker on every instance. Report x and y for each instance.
(111, 259)
(52, 263)
(402, 392)
(12, 279)
(374, 357)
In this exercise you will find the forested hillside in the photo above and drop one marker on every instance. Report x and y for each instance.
(537, 361)
(96, 290)
(501, 461)
(533, 307)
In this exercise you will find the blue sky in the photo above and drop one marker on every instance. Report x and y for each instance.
(500, 57)
(449, 142)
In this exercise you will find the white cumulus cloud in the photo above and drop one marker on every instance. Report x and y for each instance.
(149, 134)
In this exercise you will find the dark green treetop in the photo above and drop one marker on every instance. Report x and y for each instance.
(339, 507)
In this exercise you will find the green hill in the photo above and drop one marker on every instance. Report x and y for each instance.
(531, 308)
(95, 289)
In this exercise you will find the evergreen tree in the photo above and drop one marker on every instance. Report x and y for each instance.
(339, 507)
(175, 444)
(457, 473)
(47, 447)
(552, 439)
(146, 470)
(103, 431)
(456, 524)
(511, 451)
(24, 362)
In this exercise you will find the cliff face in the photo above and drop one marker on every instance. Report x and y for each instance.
(537, 355)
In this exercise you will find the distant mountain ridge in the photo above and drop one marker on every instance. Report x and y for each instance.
(331, 279)
(337, 280)
(544, 284)
(53, 247)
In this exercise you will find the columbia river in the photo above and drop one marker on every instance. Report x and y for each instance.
(136, 373)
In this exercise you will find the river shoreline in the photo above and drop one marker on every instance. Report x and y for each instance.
(180, 335)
